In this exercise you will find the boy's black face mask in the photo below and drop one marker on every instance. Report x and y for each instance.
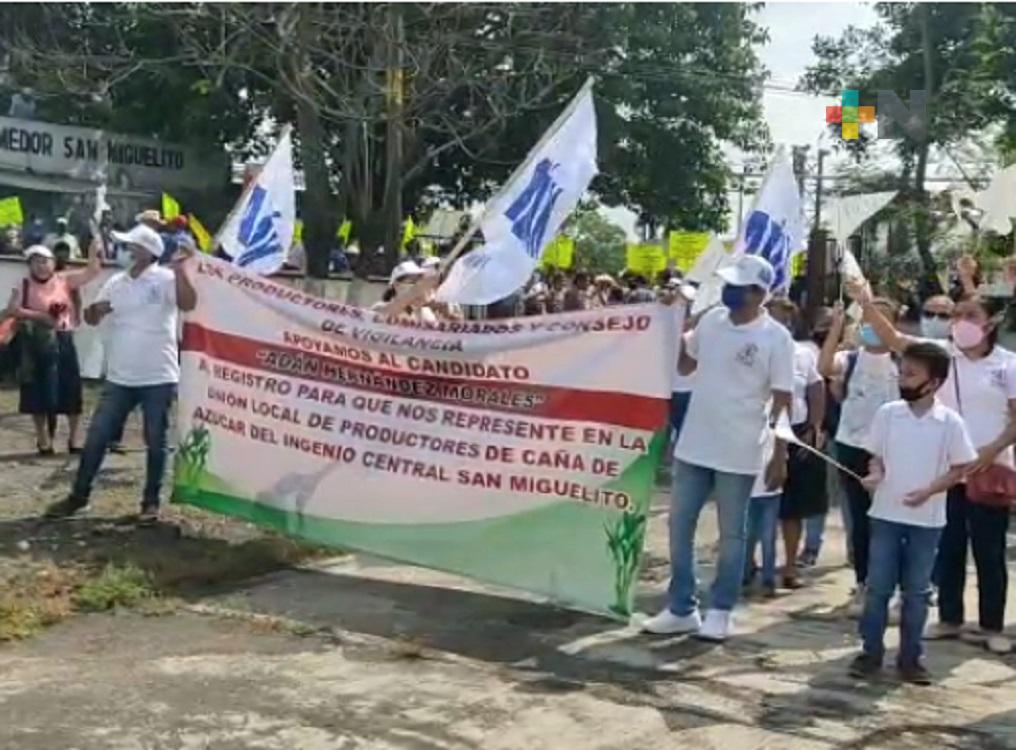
(915, 392)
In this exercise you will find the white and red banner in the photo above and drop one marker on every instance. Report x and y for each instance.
(519, 452)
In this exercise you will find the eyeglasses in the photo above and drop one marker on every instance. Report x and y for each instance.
(940, 315)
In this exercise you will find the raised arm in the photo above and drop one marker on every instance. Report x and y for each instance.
(78, 279)
(886, 331)
(827, 366)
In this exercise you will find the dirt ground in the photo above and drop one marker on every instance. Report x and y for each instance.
(227, 637)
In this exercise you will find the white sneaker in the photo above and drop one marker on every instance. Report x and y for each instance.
(717, 626)
(856, 605)
(998, 644)
(667, 623)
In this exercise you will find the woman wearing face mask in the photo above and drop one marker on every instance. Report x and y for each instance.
(981, 387)
(936, 317)
(44, 306)
(869, 378)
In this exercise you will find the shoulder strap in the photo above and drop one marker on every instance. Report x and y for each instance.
(956, 386)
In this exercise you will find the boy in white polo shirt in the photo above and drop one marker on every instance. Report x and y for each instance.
(920, 449)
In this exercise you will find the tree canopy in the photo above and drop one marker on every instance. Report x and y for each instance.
(401, 107)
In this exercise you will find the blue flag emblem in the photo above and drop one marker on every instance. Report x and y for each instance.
(765, 237)
(257, 229)
(530, 211)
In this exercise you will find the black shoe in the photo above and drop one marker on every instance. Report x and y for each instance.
(915, 674)
(808, 559)
(64, 509)
(865, 665)
(117, 448)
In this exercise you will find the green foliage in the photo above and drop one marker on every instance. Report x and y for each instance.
(116, 586)
(599, 244)
(481, 82)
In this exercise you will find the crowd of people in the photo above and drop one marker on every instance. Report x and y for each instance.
(922, 424)
(911, 434)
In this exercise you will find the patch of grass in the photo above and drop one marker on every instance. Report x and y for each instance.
(33, 600)
(116, 586)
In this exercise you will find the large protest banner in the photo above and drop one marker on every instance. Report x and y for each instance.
(520, 452)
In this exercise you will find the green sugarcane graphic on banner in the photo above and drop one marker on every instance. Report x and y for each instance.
(192, 456)
(624, 541)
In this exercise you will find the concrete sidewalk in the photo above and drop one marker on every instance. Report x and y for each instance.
(360, 653)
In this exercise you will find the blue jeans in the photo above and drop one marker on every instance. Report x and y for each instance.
(814, 532)
(115, 404)
(693, 485)
(763, 516)
(900, 555)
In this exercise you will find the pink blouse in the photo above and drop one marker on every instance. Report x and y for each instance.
(56, 297)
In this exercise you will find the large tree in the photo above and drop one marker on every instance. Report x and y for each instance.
(399, 107)
(956, 53)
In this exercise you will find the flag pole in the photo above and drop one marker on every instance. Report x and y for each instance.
(550, 133)
(286, 129)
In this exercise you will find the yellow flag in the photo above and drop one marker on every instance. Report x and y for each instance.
(559, 253)
(797, 265)
(686, 247)
(170, 208)
(645, 259)
(345, 231)
(201, 235)
(10, 211)
(409, 231)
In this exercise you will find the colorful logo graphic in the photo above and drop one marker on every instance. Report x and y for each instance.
(849, 116)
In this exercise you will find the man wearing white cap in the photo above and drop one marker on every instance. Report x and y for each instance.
(140, 305)
(742, 361)
(406, 299)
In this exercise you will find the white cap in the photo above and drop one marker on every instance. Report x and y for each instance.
(144, 237)
(431, 261)
(42, 250)
(404, 269)
(749, 270)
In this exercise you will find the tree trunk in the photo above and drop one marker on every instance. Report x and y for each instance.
(319, 224)
(392, 203)
(922, 217)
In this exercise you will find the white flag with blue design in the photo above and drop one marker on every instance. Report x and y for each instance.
(774, 228)
(529, 210)
(259, 231)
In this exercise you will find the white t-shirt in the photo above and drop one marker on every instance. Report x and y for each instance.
(681, 383)
(141, 333)
(874, 382)
(805, 374)
(739, 367)
(986, 386)
(915, 451)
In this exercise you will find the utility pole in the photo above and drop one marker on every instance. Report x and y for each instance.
(817, 251)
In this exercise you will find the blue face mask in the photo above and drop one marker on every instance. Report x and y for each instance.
(867, 336)
(734, 297)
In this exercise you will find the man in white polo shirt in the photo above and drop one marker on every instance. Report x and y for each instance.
(742, 360)
(143, 365)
